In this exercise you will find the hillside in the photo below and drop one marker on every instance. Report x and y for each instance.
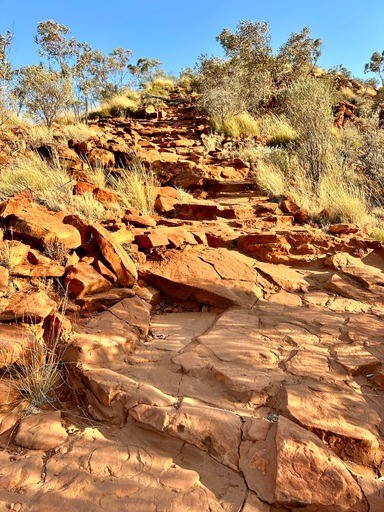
(221, 353)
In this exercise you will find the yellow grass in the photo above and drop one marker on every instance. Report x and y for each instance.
(277, 130)
(137, 187)
(49, 182)
(118, 105)
(79, 132)
(88, 207)
(235, 126)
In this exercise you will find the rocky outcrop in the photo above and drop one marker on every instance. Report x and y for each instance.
(229, 352)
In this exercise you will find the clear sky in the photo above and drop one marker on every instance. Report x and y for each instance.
(177, 32)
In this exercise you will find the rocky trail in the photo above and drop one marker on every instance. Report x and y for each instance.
(220, 355)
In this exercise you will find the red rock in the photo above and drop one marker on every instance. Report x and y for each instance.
(291, 467)
(20, 201)
(83, 187)
(101, 157)
(42, 431)
(15, 342)
(343, 229)
(378, 379)
(289, 206)
(216, 431)
(105, 196)
(139, 219)
(341, 417)
(151, 240)
(38, 225)
(82, 279)
(38, 265)
(121, 264)
(165, 204)
(213, 276)
(13, 253)
(88, 244)
(57, 327)
(105, 271)
(29, 306)
(356, 359)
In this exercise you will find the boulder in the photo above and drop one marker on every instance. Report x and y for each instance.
(82, 279)
(28, 306)
(38, 225)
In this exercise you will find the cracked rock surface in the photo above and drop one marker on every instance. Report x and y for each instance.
(234, 362)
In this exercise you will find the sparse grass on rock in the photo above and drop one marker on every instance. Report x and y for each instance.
(49, 182)
(137, 187)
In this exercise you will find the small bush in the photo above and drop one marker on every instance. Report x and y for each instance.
(137, 187)
(235, 126)
(308, 106)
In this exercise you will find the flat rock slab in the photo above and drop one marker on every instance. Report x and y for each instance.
(42, 431)
(39, 225)
(173, 331)
(213, 276)
(28, 306)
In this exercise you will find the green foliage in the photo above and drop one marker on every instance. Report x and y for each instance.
(44, 92)
(299, 54)
(376, 65)
(145, 71)
(249, 77)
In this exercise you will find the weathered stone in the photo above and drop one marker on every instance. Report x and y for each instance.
(217, 277)
(42, 431)
(82, 279)
(339, 416)
(15, 343)
(280, 466)
(356, 359)
(217, 432)
(116, 256)
(37, 225)
(29, 306)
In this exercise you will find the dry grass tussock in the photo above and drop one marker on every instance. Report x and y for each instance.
(37, 376)
(121, 105)
(236, 125)
(341, 196)
(277, 130)
(88, 207)
(160, 86)
(137, 187)
(80, 132)
(49, 182)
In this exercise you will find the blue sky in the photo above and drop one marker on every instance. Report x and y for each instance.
(177, 32)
